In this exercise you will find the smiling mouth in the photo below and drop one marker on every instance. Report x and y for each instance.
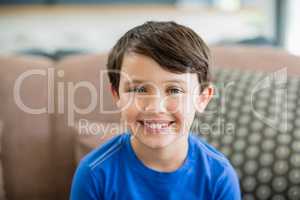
(156, 127)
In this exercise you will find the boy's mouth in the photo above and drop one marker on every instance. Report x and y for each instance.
(155, 126)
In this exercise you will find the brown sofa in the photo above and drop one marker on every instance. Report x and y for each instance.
(39, 152)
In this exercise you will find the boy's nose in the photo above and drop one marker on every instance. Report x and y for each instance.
(155, 104)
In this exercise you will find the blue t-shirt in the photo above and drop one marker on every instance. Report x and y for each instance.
(113, 171)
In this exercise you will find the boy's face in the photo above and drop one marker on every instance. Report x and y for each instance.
(157, 105)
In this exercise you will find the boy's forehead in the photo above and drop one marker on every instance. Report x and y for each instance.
(143, 81)
(141, 69)
(157, 77)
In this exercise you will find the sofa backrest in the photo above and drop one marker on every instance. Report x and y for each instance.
(26, 138)
(263, 59)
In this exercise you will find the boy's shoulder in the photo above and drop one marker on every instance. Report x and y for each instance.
(217, 168)
(207, 148)
(106, 153)
(209, 156)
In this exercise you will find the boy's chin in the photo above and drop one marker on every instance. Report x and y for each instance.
(157, 141)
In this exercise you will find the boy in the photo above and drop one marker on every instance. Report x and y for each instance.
(164, 71)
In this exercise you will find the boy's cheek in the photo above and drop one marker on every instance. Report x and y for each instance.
(175, 104)
(173, 107)
(182, 105)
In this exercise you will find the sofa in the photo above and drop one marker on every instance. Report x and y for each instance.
(42, 139)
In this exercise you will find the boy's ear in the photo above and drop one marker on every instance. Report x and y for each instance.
(204, 98)
(115, 95)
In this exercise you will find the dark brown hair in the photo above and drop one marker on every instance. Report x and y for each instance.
(176, 48)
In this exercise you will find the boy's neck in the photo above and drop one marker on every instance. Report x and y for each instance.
(165, 159)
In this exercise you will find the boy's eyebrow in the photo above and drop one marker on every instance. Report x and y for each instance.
(175, 81)
(133, 81)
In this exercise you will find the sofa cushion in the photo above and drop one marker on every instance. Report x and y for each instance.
(254, 119)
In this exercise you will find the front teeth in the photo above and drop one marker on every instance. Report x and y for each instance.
(156, 125)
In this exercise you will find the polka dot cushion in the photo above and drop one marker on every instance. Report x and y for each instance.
(254, 119)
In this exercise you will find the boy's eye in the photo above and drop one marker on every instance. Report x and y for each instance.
(172, 91)
(137, 89)
(175, 91)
